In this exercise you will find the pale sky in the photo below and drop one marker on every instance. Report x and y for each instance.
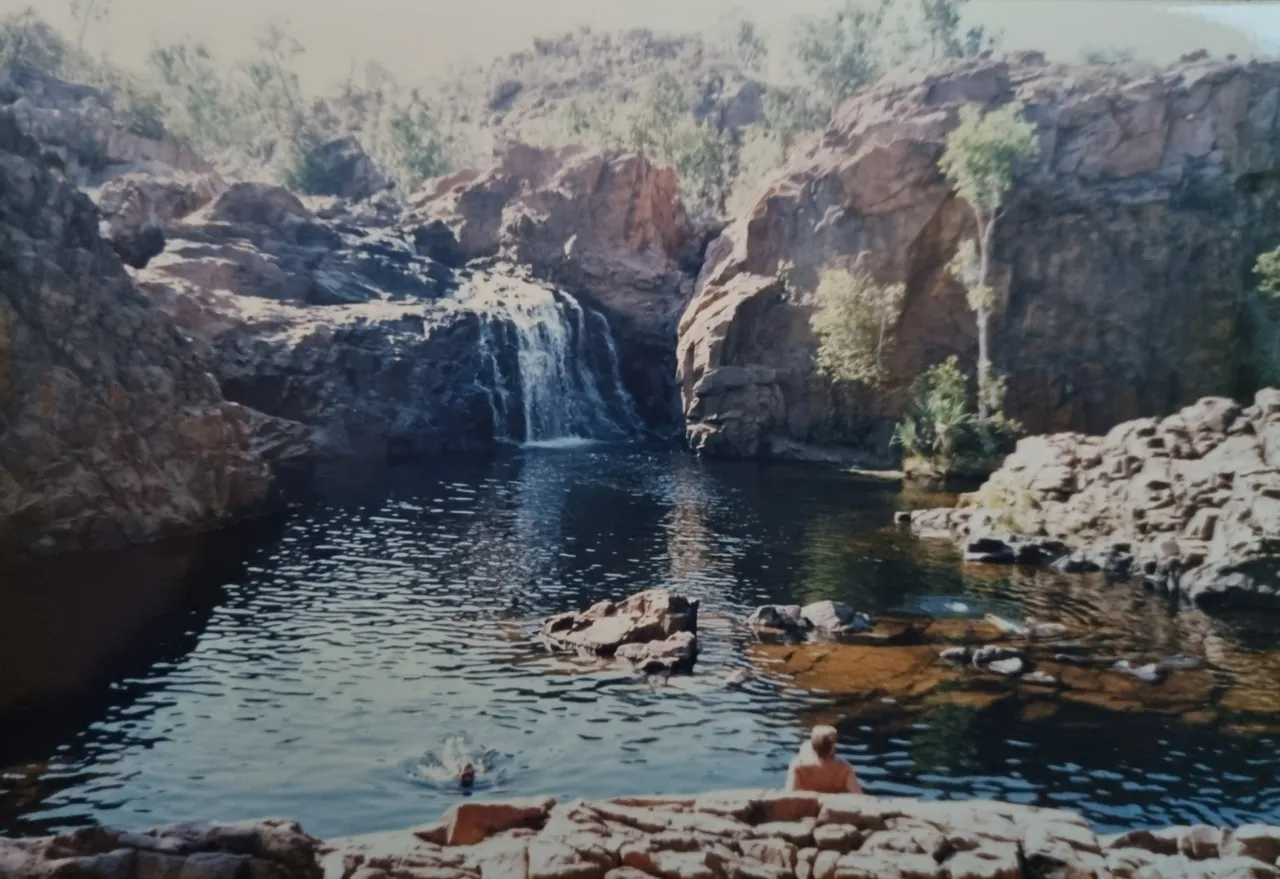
(421, 39)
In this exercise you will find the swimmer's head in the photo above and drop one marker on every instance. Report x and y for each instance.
(823, 741)
(467, 776)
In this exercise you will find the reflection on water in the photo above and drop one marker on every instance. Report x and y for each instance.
(307, 672)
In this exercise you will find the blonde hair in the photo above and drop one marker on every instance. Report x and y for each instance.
(823, 741)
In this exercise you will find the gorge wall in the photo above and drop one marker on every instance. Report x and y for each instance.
(110, 430)
(1120, 259)
(568, 293)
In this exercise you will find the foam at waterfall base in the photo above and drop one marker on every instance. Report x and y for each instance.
(564, 442)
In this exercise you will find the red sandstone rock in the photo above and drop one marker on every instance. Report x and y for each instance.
(470, 823)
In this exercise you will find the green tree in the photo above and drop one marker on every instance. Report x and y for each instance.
(944, 37)
(87, 13)
(700, 155)
(853, 319)
(843, 52)
(937, 421)
(27, 39)
(980, 159)
(1109, 56)
(751, 47)
(1262, 310)
(655, 126)
(419, 148)
(204, 107)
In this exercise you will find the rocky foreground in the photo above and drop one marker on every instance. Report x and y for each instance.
(1188, 503)
(752, 834)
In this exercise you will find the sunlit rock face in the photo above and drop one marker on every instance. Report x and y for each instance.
(1118, 262)
(715, 835)
(1190, 503)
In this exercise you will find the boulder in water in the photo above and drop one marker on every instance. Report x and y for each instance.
(1011, 666)
(834, 618)
(650, 617)
(820, 617)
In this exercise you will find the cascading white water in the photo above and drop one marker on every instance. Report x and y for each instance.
(565, 373)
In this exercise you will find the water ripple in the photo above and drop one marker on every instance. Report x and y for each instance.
(398, 608)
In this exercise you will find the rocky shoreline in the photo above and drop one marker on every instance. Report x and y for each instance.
(743, 834)
(1189, 504)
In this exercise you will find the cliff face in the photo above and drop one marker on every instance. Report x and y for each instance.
(110, 431)
(1118, 262)
(606, 226)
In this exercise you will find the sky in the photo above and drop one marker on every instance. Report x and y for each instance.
(419, 40)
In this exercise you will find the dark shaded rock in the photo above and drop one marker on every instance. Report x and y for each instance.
(436, 241)
(137, 248)
(342, 168)
(989, 551)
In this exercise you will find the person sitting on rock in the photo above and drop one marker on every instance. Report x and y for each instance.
(817, 768)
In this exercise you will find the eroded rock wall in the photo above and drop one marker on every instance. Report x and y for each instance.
(1119, 260)
(111, 431)
(608, 227)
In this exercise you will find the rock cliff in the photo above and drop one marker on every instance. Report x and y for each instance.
(110, 429)
(1190, 503)
(1119, 260)
(606, 226)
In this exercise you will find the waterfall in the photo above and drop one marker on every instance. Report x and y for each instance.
(555, 376)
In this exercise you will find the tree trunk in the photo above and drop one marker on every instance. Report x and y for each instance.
(988, 227)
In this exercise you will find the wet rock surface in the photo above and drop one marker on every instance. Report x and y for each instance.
(781, 835)
(654, 630)
(1189, 503)
(1155, 165)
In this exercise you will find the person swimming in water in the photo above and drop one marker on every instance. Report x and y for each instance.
(817, 768)
(458, 763)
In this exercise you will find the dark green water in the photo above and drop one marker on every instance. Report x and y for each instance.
(303, 668)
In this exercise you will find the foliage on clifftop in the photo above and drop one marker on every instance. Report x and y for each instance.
(718, 107)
